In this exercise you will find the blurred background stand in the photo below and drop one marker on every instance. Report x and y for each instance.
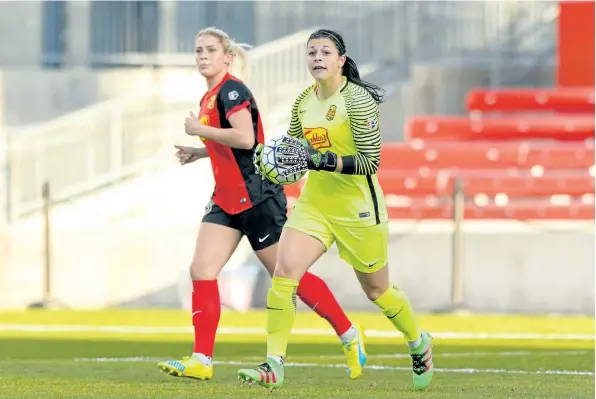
(48, 302)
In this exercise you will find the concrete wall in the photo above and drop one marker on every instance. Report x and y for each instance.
(139, 257)
(35, 95)
(131, 245)
(512, 270)
(20, 32)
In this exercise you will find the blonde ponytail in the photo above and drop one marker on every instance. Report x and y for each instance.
(239, 51)
(240, 65)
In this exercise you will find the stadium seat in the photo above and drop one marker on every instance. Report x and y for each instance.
(443, 128)
(563, 100)
(561, 156)
(429, 208)
(487, 155)
(488, 182)
(439, 155)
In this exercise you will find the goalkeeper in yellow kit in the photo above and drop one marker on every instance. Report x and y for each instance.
(337, 123)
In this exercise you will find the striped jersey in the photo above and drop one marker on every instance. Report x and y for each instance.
(346, 123)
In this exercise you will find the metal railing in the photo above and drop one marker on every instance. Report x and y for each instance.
(107, 142)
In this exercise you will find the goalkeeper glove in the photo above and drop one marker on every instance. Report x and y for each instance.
(299, 155)
(316, 160)
(256, 160)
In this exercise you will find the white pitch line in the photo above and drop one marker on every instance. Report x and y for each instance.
(371, 367)
(451, 355)
(297, 331)
(377, 356)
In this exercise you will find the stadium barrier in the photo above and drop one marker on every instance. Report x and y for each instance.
(529, 200)
(107, 142)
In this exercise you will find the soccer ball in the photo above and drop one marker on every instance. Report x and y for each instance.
(271, 169)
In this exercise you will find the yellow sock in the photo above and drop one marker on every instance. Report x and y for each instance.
(281, 312)
(396, 306)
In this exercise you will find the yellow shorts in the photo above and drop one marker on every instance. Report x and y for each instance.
(365, 248)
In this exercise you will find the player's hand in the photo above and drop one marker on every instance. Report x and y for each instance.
(301, 156)
(187, 155)
(313, 157)
(192, 125)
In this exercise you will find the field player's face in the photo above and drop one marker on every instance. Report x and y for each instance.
(210, 57)
(323, 59)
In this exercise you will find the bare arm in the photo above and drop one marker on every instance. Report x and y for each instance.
(241, 135)
(187, 155)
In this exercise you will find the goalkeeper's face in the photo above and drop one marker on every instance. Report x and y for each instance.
(324, 61)
(210, 56)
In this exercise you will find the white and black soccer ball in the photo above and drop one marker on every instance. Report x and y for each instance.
(270, 165)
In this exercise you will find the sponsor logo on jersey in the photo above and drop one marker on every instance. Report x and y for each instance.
(371, 124)
(233, 95)
(331, 113)
(318, 137)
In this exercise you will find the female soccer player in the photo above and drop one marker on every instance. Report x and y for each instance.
(229, 123)
(341, 202)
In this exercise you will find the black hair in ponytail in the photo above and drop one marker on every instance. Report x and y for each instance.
(350, 69)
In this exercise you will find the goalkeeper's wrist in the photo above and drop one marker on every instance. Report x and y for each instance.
(328, 162)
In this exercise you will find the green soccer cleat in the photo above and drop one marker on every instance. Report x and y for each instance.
(422, 362)
(269, 374)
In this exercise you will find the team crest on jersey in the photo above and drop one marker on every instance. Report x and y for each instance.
(211, 103)
(331, 113)
(318, 137)
(371, 124)
(204, 121)
(233, 95)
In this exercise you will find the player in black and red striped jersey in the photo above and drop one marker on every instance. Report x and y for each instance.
(243, 204)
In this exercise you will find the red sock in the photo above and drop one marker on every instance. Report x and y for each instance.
(206, 309)
(314, 292)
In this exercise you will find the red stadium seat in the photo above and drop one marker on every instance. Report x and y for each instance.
(483, 155)
(443, 128)
(488, 182)
(535, 160)
(562, 156)
(486, 155)
(422, 208)
(568, 100)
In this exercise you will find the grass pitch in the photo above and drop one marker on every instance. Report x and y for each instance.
(113, 354)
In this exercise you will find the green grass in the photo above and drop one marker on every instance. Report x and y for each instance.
(64, 364)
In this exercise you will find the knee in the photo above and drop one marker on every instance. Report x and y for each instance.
(285, 268)
(200, 269)
(374, 292)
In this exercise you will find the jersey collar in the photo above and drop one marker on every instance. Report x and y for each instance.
(216, 88)
(343, 85)
(223, 80)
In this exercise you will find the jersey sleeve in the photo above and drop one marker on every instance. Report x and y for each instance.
(295, 129)
(234, 96)
(363, 112)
